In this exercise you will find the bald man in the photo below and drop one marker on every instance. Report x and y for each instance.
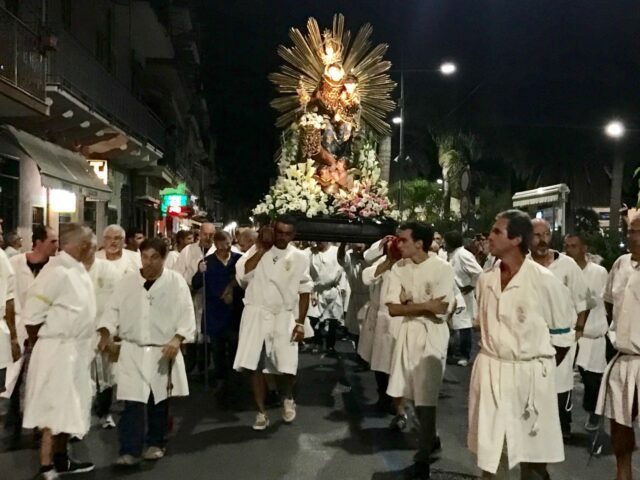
(618, 399)
(566, 270)
(246, 239)
(187, 266)
(60, 316)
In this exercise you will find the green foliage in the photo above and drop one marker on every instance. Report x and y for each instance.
(421, 199)
(606, 246)
(587, 221)
(491, 203)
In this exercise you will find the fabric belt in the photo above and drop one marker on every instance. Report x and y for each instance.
(530, 407)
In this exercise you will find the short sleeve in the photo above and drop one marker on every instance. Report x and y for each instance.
(306, 283)
(394, 288)
(607, 295)
(558, 310)
(243, 278)
(7, 277)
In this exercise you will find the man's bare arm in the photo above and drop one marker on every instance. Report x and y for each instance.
(435, 307)
(252, 263)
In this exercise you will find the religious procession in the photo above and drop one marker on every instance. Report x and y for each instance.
(352, 316)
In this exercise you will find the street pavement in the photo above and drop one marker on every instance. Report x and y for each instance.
(337, 435)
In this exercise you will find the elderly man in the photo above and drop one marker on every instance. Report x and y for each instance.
(247, 237)
(618, 399)
(123, 261)
(113, 243)
(27, 266)
(187, 266)
(13, 242)
(568, 272)
(60, 315)
(151, 311)
(525, 316)
(592, 346)
(420, 295)
(276, 275)
(467, 270)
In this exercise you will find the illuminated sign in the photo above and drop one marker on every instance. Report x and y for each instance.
(173, 201)
(62, 201)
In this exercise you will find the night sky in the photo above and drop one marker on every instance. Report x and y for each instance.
(539, 76)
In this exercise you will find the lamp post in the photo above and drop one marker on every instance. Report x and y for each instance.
(446, 69)
(616, 131)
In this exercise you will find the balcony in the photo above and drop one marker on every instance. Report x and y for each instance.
(22, 69)
(73, 71)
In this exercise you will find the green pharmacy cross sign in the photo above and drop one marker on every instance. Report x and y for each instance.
(174, 199)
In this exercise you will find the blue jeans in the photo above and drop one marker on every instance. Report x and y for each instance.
(131, 428)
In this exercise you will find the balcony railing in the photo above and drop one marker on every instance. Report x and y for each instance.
(77, 71)
(21, 63)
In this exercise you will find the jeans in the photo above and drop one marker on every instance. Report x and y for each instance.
(131, 428)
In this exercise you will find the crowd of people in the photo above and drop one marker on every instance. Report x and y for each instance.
(88, 321)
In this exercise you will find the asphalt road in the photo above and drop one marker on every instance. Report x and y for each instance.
(337, 435)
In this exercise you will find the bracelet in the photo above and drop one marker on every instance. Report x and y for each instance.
(299, 325)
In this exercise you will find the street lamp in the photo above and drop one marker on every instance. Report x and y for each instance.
(448, 68)
(396, 120)
(615, 129)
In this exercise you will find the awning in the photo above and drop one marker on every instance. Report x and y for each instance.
(59, 167)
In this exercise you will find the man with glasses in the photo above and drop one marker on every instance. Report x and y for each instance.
(618, 399)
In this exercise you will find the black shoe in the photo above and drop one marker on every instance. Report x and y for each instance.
(398, 423)
(421, 471)
(71, 467)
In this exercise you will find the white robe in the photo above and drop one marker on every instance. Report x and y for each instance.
(7, 293)
(358, 292)
(622, 376)
(374, 252)
(171, 260)
(129, 261)
(327, 275)
(146, 321)
(379, 330)
(104, 276)
(421, 348)
(568, 272)
(187, 266)
(592, 345)
(512, 395)
(58, 394)
(467, 270)
(270, 312)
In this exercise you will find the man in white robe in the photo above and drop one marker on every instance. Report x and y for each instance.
(151, 311)
(187, 266)
(592, 345)
(27, 266)
(184, 238)
(467, 270)
(328, 294)
(567, 271)
(524, 314)
(419, 295)
(9, 344)
(60, 316)
(353, 263)
(113, 243)
(104, 276)
(618, 398)
(278, 286)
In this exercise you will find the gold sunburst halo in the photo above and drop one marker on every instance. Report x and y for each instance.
(305, 64)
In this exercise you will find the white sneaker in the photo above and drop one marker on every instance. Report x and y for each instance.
(153, 453)
(262, 421)
(288, 410)
(463, 362)
(107, 422)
